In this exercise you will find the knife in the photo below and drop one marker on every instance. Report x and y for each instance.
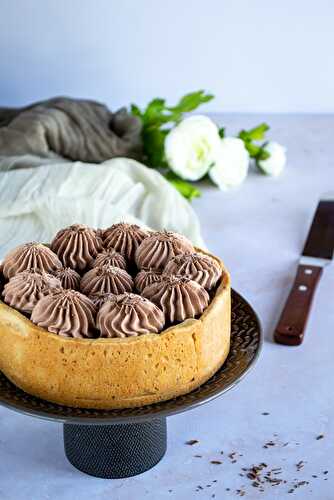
(317, 253)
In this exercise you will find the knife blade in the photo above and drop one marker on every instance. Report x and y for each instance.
(320, 241)
(317, 253)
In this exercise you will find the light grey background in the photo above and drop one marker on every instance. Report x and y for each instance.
(261, 56)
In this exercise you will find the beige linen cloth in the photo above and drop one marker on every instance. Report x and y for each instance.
(66, 161)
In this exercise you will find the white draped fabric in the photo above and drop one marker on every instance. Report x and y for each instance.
(44, 195)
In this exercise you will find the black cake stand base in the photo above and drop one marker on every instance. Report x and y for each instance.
(118, 450)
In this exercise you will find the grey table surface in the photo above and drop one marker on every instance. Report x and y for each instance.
(288, 399)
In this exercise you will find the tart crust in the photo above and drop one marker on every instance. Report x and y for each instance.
(117, 373)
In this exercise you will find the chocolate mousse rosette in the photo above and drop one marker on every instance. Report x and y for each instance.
(159, 247)
(129, 315)
(124, 238)
(146, 277)
(179, 297)
(77, 246)
(69, 278)
(33, 255)
(198, 267)
(110, 257)
(67, 313)
(25, 289)
(106, 279)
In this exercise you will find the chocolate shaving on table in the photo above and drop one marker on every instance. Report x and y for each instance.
(191, 442)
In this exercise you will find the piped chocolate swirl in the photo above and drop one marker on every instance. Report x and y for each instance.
(196, 266)
(179, 297)
(34, 256)
(69, 278)
(106, 279)
(111, 258)
(146, 277)
(67, 313)
(124, 238)
(157, 249)
(129, 315)
(77, 246)
(25, 289)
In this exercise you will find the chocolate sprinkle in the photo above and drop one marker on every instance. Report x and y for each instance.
(300, 465)
(191, 442)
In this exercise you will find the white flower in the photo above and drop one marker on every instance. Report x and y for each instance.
(191, 147)
(276, 161)
(231, 165)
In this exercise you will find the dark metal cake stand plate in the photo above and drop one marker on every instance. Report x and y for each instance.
(123, 443)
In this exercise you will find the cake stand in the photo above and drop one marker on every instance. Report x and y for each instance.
(123, 443)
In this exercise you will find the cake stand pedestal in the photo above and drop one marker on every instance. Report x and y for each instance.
(116, 451)
(123, 443)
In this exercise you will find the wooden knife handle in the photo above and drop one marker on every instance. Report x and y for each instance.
(292, 323)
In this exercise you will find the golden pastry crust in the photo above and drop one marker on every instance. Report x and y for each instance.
(117, 373)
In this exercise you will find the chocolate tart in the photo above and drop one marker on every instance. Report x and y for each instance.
(117, 372)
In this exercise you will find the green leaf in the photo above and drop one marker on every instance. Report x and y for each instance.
(252, 149)
(221, 132)
(254, 134)
(258, 133)
(154, 141)
(191, 101)
(263, 154)
(243, 134)
(157, 113)
(135, 110)
(153, 111)
(257, 152)
(187, 190)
